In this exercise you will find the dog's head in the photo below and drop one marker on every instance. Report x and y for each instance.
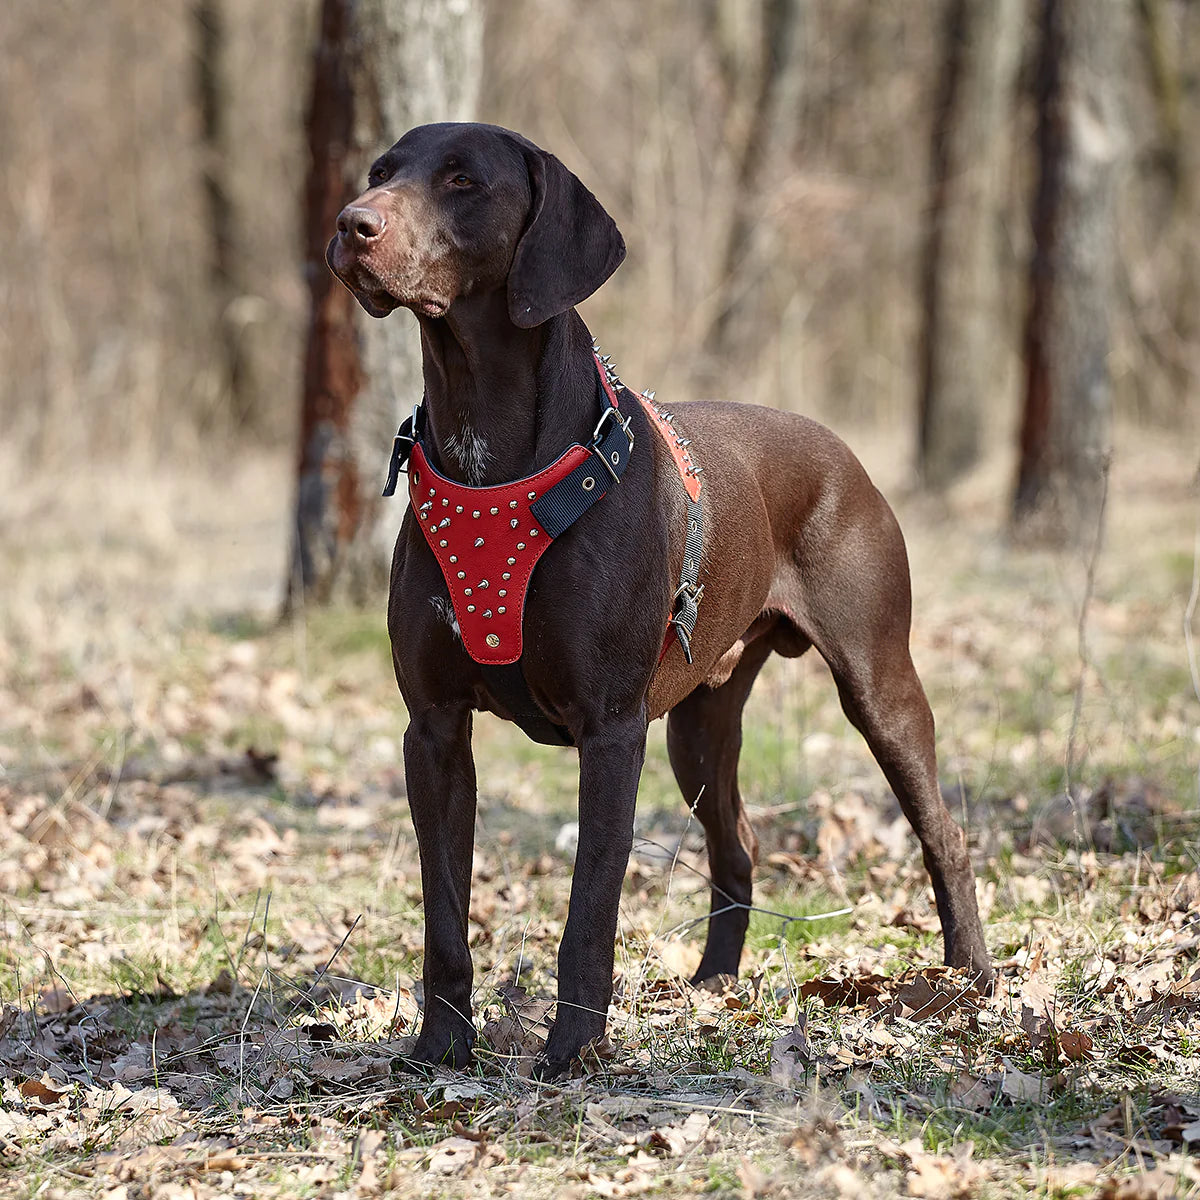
(454, 210)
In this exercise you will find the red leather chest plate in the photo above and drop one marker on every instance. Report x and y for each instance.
(487, 542)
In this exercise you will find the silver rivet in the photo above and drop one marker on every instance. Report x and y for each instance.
(510, 563)
(458, 508)
(513, 523)
(501, 611)
(478, 543)
(433, 491)
(462, 574)
(502, 591)
(470, 608)
(475, 513)
(506, 575)
(442, 542)
(533, 533)
(466, 591)
(520, 545)
(454, 558)
(482, 583)
(445, 502)
(492, 640)
(433, 529)
(512, 504)
(533, 495)
(493, 511)
(588, 484)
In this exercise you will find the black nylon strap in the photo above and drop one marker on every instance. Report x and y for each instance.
(402, 446)
(573, 495)
(688, 595)
(507, 684)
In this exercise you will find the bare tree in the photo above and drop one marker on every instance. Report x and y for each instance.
(960, 347)
(380, 67)
(1065, 430)
(773, 119)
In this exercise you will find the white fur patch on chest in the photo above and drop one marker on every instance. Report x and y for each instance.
(471, 453)
(445, 610)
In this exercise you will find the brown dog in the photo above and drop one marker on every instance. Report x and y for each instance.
(490, 241)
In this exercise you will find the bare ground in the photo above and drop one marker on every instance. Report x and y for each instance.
(210, 904)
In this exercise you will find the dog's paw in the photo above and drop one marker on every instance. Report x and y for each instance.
(441, 1049)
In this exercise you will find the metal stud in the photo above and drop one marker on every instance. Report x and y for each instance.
(487, 612)
(445, 502)
(520, 545)
(510, 563)
(493, 511)
(466, 591)
(470, 608)
(533, 495)
(478, 543)
(512, 504)
(513, 523)
(475, 513)
(462, 574)
(433, 491)
(501, 611)
(458, 508)
(482, 583)
(443, 522)
(442, 542)
(506, 575)
(492, 640)
(454, 558)
(503, 592)
(534, 532)
(433, 529)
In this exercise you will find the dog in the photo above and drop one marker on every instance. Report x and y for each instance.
(713, 535)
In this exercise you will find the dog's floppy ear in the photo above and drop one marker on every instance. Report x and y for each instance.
(569, 248)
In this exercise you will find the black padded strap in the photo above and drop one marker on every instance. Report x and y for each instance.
(507, 684)
(560, 507)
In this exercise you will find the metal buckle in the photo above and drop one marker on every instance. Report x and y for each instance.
(614, 414)
(401, 436)
(693, 591)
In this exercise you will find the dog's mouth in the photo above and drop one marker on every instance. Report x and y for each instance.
(377, 297)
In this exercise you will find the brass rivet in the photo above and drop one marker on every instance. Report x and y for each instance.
(492, 640)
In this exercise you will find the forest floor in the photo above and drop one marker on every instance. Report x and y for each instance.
(210, 910)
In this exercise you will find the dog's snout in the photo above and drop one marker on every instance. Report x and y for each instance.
(361, 222)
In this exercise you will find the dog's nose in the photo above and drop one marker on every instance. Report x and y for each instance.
(360, 222)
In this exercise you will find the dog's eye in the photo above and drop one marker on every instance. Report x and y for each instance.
(461, 180)
(377, 176)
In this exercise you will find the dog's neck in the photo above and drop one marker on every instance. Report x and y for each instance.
(503, 402)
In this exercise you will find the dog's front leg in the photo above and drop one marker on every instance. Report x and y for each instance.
(610, 764)
(440, 774)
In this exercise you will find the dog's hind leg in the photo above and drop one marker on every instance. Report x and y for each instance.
(704, 740)
(858, 620)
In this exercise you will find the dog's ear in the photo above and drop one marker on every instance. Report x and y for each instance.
(569, 248)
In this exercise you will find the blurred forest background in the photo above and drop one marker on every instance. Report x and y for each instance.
(831, 207)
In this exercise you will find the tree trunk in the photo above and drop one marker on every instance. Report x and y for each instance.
(1065, 431)
(380, 67)
(737, 328)
(961, 343)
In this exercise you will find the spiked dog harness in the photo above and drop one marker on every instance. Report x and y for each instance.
(487, 540)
